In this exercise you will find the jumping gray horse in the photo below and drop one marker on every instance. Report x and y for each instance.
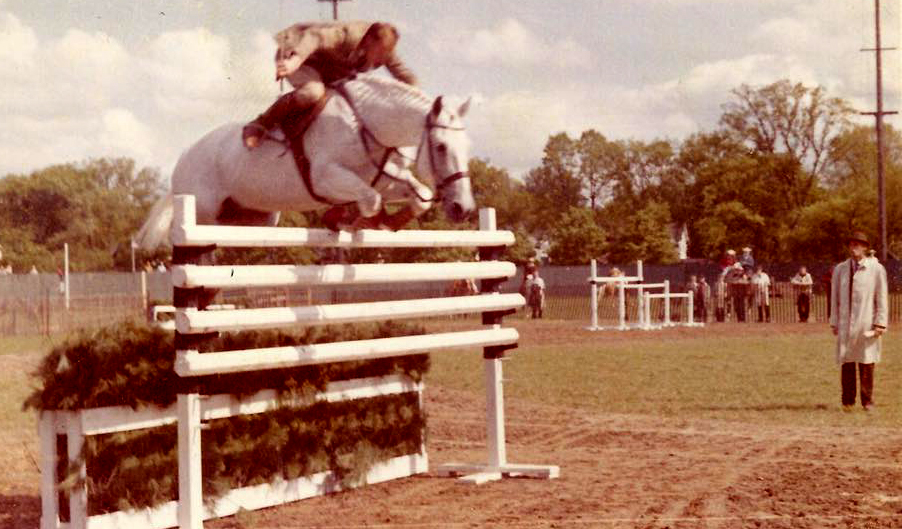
(360, 150)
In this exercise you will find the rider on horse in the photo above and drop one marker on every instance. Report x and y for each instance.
(314, 55)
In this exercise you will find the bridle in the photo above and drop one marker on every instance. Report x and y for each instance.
(426, 139)
(367, 136)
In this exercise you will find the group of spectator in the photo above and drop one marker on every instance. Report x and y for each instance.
(742, 285)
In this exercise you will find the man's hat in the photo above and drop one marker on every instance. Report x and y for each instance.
(859, 236)
(746, 249)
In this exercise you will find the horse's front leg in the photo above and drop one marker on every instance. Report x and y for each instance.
(418, 196)
(338, 184)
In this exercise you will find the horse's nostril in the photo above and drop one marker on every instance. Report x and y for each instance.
(457, 212)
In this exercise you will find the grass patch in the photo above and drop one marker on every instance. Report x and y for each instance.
(30, 344)
(769, 377)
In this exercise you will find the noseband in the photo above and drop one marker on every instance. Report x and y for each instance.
(427, 141)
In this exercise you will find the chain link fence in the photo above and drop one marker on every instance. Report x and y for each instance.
(36, 303)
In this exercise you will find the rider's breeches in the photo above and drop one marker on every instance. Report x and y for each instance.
(308, 84)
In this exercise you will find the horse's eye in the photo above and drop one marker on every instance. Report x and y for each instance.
(442, 148)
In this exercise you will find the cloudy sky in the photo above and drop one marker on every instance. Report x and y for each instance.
(88, 78)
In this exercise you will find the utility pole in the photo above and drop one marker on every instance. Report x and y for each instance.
(881, 184)
(334, 7)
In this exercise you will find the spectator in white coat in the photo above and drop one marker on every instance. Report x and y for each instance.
(858, 317)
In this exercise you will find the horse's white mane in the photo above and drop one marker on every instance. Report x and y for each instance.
(371, 89)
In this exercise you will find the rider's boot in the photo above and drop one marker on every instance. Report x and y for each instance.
(399, 219)
(274, 115)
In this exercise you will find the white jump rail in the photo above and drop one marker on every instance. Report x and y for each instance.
(596, 282)
(191, 410)
(188, 276)
(194, 322)
(666, 297)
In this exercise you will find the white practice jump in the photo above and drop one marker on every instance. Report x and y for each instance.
(645, 293)
(190, 242)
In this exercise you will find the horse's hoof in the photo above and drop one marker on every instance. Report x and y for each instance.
(335, 218)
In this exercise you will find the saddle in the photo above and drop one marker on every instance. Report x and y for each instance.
(294, 126)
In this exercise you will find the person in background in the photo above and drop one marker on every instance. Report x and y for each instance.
(761, 293)
(747, 261)
(737, 285)
(727, 261)
(720, 299)
(802, 282)
(858, 319)
(701, 296)
(535, 298)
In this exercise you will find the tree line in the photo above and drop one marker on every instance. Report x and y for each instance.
(786, 171)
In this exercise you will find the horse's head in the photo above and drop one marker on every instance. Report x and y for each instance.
(446, 157)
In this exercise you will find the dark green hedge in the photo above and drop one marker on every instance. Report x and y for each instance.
(131, 364)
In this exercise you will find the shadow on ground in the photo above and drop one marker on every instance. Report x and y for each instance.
(17, 511)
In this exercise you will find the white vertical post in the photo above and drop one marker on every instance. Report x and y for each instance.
(133, 254)
(621, 304)
(666, 301)
(144, 289)
(190, 504)
(691, 301)
(66, 272)
(639, 271)
(640, 306)
(593, 294)
(78, 496)
(646, 306)
(49, 495)
(493, 381)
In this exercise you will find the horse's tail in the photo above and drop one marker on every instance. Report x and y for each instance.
(156, 228)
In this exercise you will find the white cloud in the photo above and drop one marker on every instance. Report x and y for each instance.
(18, 45)
(510, 43)
(122, 134)
(189, 71)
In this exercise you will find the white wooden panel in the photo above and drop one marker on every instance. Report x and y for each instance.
(193, 321)
(194, 364)
(237, 276)
(110, 419)
(259, 496)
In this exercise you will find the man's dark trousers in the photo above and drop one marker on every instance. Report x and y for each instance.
(866, 374)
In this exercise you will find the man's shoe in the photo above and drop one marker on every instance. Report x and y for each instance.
(868, 407)
(847, 408)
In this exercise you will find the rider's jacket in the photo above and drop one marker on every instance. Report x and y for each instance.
(329, 47)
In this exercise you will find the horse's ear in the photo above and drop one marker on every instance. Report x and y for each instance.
(437, 107)
(464, 108)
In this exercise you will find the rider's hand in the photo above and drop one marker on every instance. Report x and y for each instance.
(251, 142)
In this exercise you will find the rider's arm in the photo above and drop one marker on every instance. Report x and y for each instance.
(400, 71)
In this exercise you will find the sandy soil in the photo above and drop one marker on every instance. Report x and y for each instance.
(616, 471)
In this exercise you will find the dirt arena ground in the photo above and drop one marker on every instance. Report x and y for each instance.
(616, 471)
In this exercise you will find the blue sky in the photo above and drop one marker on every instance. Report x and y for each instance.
(86, 78)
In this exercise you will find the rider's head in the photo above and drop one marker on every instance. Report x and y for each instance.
(287, 61)
(376, 46)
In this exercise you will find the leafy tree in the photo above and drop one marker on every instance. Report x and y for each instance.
(576, 238)
(790, 119)
(494, 188)
(642, 234)
(554, 186)
(94, 206)
(600, 161)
